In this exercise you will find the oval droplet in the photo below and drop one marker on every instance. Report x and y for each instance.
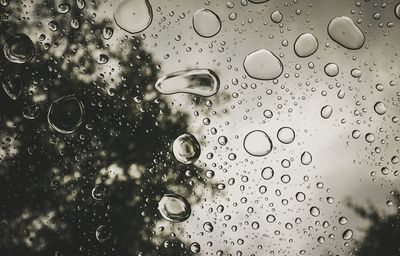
(345, 32)
(12, 85)
(347, 234)
(286, 135)
(174, 208)
(331, 69)
(19, 49)
(326, 111)
(195, 247)
(66, 114)
(201, 82)
(267, 173)
(306, 44)
(206, 23)
(306, 158)
(257, 143)
(186, 149)
(108, 32)
(380, 108)
(263, 65)
(133, 16)
(276, 16)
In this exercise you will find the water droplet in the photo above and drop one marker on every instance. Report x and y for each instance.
(306, 158)
(355, 72)
(356, 134)
(19, 49)
(326, 111)
(300, 196)
(222, 140)
(314, 211)
(99, 192)
(206, 23)
(208, 227)
(347, 234)
(31, 112)
(102, 59)
(201, 82)
(195, 247)
(174, 208)
(66, 114)
(258, 1)
(369, 137)
(186, 149)
(276, 16)
(286, 135)
(380, 108)
(12, 85)
(133, 16)
(331, 69)
(342, 220)
(345, 32)
(257, 143)
(108, 32)
(397, 10)
(103, 233)
(262, 64)
(270, 218)
(63, 8)
(306, 44)
(268, 113)
(267, 173)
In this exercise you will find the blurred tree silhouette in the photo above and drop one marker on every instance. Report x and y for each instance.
(382, 236)
(124, 143)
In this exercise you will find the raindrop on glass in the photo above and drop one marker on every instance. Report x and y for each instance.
(19, 49)
(306, 44)
(263, 65)
(206, 23)
(133, 16)
(257, 143)
(345, 32)
(186, 149)
(174, 208)
(286, 135)
(66, 114)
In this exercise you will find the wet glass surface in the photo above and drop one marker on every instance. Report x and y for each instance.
(245, 127)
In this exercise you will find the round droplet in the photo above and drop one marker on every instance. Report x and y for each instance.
(306, 44)
(347, 234)
(369, 137)
(31, 112)
(257, 143)
(356, 134)
(286, 135)
(108, 32)
(208, 227)
(306, 158)
(263, 64)
(380, 108)
(103, 233)
(195, 247)
(201, 82)
(174, 208)
(63, 8)
(331, 69)
(270, 218)
(133, 16)
(276, 16)
(206, 23)
(314, 211)
(222, 140)
(326, 111)
(342, 220)
(19, 49)
(268, 113)
(66, 114)
(99, 192)
(267, 173)
(186, 149)
(345, 32)
(12, 85)
(397, 10)
(300, 196)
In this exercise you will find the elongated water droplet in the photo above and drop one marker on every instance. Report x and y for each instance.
(306, 44)
(12, 85)
(206, 23)
(326, 111)
(267, 173)
(286, 135)
(19, 49)
(262, 64)
(331, 69)
(174, 208)
(66, 114)
(186, 149)
(257, 143)
(202, 82)
(306, 158)
(133, 16)
(380, 108)
(345, 32)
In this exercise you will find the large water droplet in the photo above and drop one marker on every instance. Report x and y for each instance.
(347, 234)
(306, 44)
(306, 158)
(133, 16)
(202, 82)
(186, 149)
(174, 208)
(206, 23)
(267, 173)
(380, 108)
(286, 135)
(66, 114)
(195, 247)
(262, 64)
(331, 69)
(345, 32)
(19, 49)
(326, 111)
(276, 16)
(257, 143)
(103, 233)
(12, 85)
(108, 32)
(314, 211)
(300, 196)
(397, 10)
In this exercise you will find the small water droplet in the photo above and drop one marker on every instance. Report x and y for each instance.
(267, 173)
(331, 69)
(380, 108)
(108, 32)
(195, 247)
(99, 192)
(286, 135)
(326, 111)
(208, 227)
(300, 196)
(306, 158)
(257, 143)
(314, 211)
(31, 112)
(347, 234)
(174, 208)
(262, 64)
